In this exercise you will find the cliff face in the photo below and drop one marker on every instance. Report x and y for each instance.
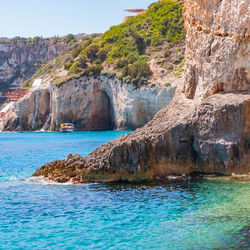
(147, 50)
(184, 138)
(208, 132)
(18, 60)
(91, 104)
(217, 47)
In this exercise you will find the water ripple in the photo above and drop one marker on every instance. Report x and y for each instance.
(39, 214)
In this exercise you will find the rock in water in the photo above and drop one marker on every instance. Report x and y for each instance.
(204, 130)
(212, 137)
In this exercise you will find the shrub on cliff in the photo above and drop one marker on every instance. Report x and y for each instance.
(139, 68)
(68, 38)
(75, 68)
(76, 51)
(82, 62)
(92, 52)
(93, 70)
(121, 63)
(102, 55)
(123, 48)
(136, 72)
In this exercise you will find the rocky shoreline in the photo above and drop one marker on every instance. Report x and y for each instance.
(208, 138)
(205, 129)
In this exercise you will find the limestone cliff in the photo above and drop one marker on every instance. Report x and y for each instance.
(184, 138)
(90, 103)
(120, 79)
(19, 60)
(209, 133)
(217, 47)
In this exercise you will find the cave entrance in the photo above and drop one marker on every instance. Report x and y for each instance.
(101, 115)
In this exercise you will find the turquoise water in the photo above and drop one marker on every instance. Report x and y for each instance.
(193, 214)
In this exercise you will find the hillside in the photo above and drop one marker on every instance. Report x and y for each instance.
(116, 80)
(21, 57)
(141, 50)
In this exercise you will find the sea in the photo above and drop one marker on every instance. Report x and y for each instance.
(200, 213)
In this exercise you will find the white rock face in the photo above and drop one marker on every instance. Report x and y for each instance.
(91, 104)
(37, 83)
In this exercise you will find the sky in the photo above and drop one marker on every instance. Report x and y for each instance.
(47, 18)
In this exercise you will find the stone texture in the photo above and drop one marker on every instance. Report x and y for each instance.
(29, 114)
(217, 46)
(91, 104)
(17, 61)
(204, 130)
(212, 137)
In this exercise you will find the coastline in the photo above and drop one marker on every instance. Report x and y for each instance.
(156, 210)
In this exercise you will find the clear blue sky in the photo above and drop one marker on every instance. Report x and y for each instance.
(29, 18)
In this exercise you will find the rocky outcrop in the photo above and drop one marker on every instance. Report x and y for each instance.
(30, 113)
(205, 129)
(217, 46)
(19, 61)
(213, 137)
(90, 103)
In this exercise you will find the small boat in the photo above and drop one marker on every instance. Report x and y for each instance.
(67, 127)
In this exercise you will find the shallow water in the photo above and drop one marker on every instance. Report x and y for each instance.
(193, 214)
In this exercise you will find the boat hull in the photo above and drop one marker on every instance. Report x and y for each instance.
(66, 130)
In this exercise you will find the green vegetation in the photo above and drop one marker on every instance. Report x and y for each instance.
(125, 46)
(162, 22)
(167, 52)
(124, 50)
(136, 72)
(37, 40)
(180, 68)
(169, 67)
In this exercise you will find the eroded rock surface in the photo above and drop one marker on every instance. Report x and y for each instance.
(212, 137)
(204, 130)
(91, 104)
(217, 46)
(18, 61)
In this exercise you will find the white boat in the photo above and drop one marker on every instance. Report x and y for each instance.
(67, 128)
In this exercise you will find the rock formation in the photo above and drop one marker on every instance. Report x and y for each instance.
(120, 79)
(184, 138)
(204, 130)
(217, 47)
(91, 104)
(18, 60)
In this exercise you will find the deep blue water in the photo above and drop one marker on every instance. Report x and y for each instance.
(193, 214)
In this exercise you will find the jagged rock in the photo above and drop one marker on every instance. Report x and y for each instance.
(212, 137)
(205, 131)
(17, 60)
(217, 46)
